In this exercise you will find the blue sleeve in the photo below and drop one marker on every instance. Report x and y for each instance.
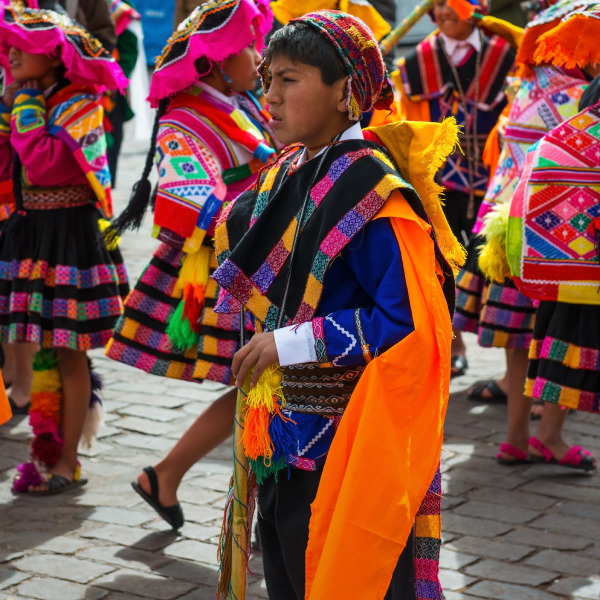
(378, 314)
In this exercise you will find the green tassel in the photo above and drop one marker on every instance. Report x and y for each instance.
(262, 471)
(179, 331)
(45, 360)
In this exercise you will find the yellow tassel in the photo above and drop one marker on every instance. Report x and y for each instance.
(46, 381)
(194, 271)
(113, 244)
(492, 257)
(268, 390)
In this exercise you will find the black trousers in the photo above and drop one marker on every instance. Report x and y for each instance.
(283, 518)
(455, 209)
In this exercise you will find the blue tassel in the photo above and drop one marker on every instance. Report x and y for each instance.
(284, 435)
(263, 152)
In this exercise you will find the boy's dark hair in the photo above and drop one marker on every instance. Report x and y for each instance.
(302, 43)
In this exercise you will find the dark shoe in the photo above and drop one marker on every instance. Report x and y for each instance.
(18, 410)
(496, 395)
(460, 364)
(57, 484)
(173, 515)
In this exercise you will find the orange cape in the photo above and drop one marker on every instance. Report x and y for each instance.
(5, 412)
(387, 449)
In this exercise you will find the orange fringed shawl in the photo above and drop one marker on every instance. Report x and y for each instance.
(387, 449)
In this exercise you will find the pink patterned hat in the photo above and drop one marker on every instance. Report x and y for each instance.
(216, 30)
(44, 31)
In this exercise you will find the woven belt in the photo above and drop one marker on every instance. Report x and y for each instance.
(55, 198)
(320, 391)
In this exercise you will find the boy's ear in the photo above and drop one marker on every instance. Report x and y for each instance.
(341, 92)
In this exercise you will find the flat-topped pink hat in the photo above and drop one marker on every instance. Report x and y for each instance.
(40, 31)
(216, 30)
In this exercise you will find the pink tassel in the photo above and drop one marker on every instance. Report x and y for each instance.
(27, 475)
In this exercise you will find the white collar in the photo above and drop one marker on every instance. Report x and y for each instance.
(352, 133)
(211, 91)
(452, 44)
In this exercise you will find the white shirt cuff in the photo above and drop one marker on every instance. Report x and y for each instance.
(295, 344)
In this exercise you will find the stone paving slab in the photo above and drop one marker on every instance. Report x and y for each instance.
(509, 533)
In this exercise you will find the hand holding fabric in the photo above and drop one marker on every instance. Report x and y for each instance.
(259, 353)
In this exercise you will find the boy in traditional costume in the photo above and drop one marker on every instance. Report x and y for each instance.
(210, 139)
(459, 72)
(333, 253)
(548, 96)
(61, 287)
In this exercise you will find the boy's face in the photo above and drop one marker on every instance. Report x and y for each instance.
(25, 66)
(449, 22)
(302, 107)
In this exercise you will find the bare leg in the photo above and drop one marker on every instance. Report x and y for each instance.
(23, 371)
(549, 431)
(9, 369)
(76, 389)
(210, 429)
(519, 405)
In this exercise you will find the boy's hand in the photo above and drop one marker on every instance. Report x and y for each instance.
(259, 353)
(10, 91)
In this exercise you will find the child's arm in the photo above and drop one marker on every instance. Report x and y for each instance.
(47, 160)
(354, 336)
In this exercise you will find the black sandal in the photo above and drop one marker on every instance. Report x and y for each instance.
(57, 484)
(460, 363)
(497, 396)
(18, 410)
(173, 515)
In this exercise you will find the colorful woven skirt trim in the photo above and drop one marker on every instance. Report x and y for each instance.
(469, 289)
(507, 317)
(564, 357)
(140, 338)
(68, 290)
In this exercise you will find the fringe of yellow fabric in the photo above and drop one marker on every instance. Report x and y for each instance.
(420, 150)
(444, 142)
(112, 242)
(492, 257)
(572, 43)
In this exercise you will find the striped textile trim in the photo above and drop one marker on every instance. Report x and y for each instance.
(469, 287)
(507, 317)
(542, 389)
(140, 338)
(55, 338)
(428, 533)
(570, 355)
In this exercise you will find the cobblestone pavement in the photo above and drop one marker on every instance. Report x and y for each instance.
(524, 533)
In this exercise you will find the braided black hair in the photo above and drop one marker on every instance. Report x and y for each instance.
(133, 215)
(15, 231)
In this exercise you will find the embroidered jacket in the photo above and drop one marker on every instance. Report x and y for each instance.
(427, 79)
(547, 97)
(201, 165)
(60, 140)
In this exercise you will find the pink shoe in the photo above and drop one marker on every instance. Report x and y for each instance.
(521, 458)
(575, 458)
